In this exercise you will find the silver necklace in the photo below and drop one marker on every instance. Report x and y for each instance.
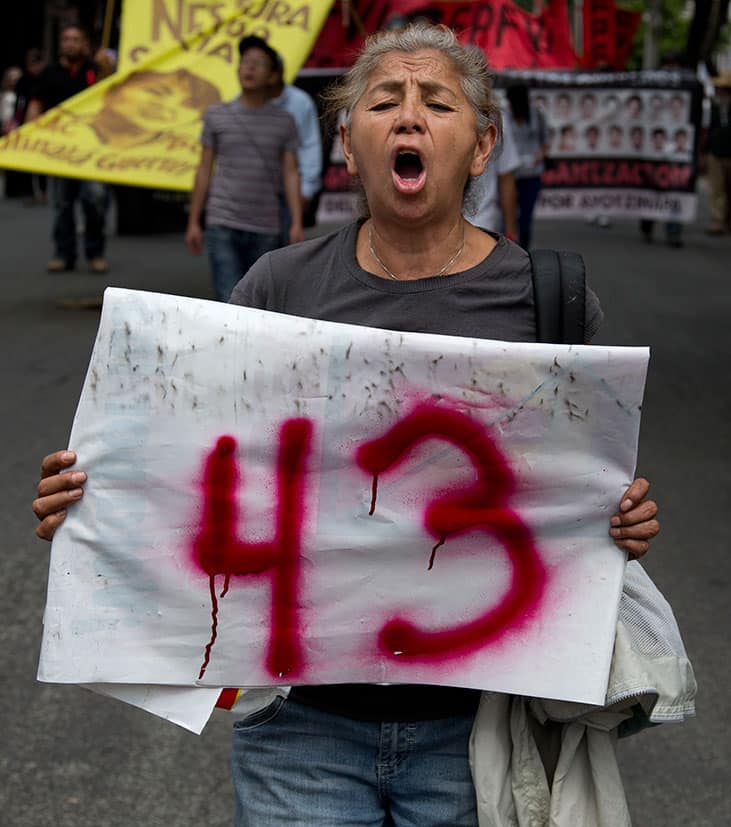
(392, 275)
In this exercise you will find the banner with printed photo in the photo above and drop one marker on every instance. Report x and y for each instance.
(621, 144)
(279, 500)
(142, 125)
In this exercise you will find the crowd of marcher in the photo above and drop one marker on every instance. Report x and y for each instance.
(247, 203)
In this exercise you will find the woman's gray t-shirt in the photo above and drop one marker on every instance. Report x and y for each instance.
(321, 279)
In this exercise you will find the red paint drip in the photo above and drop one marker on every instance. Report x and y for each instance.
(434, 552)
(481, 506)
(226, 584)
(374, 495)
(214, 626)
(217, 548)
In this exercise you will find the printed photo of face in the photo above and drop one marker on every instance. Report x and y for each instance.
(678, 109)
(657, 107)
(659, 139)
(567, 139)
(541, 102)
(591, 137)
(616, 137)
(149, 102)
(633, 107)
(681, 141)
(637, 138)
(562, 106)
(610, 103)
(587, 106)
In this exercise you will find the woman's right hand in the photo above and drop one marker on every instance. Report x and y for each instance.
(56, 491)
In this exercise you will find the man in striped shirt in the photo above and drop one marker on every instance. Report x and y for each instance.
(248, 157)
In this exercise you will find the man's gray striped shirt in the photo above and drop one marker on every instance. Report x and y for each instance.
(249, 143)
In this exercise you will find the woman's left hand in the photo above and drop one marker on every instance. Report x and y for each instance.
(635, 524)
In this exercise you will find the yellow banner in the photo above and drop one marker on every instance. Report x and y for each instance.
(149, 27)
(142, 125)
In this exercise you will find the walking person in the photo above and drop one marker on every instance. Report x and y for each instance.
(673, 229)
(309, 152)
(421, 122)
(531, 135)
(13, 179)
(248, 158)
(493, 198)
(718, 147)
(70, 74)
(30, 185)
(8, 98)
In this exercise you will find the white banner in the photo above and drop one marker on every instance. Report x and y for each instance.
(578, 203)
(277, 500)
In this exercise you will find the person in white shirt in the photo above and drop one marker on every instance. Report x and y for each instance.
(309, 153)
(496, 197)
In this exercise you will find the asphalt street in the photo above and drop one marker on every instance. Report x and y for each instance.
(70, 758)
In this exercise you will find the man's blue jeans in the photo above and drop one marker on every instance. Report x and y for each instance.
(94, 198)
(295, 766)
(231, 253)
(528, 191)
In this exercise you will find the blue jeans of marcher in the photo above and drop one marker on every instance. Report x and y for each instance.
(528, 191)
(231, 253)
(295, 766)
(94, 198)
(285, 220)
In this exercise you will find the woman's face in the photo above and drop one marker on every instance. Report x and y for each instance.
(413, 140)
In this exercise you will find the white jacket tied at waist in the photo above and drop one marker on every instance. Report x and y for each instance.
(541, 763)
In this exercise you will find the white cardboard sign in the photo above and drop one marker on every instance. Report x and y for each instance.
(276, 500)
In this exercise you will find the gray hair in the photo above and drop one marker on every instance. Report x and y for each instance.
(468, 61)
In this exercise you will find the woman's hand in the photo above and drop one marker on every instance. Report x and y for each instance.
(56, 491)
(635, 524)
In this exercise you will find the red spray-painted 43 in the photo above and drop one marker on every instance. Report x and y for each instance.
(218, 548)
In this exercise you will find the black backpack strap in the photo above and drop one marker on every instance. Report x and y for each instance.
(560, 296)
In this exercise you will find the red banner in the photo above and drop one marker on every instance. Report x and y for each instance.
(510, 37)
(625, 26)
(599, 34)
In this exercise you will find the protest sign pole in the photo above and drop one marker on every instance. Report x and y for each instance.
(107, 28)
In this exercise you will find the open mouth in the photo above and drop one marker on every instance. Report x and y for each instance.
(408, 165)
(408, 171)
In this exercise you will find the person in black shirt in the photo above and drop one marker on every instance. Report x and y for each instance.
(26, 184)
(70, 74)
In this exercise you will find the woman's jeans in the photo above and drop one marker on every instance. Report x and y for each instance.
(295, 766)
(231, 253)
(94, 198)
